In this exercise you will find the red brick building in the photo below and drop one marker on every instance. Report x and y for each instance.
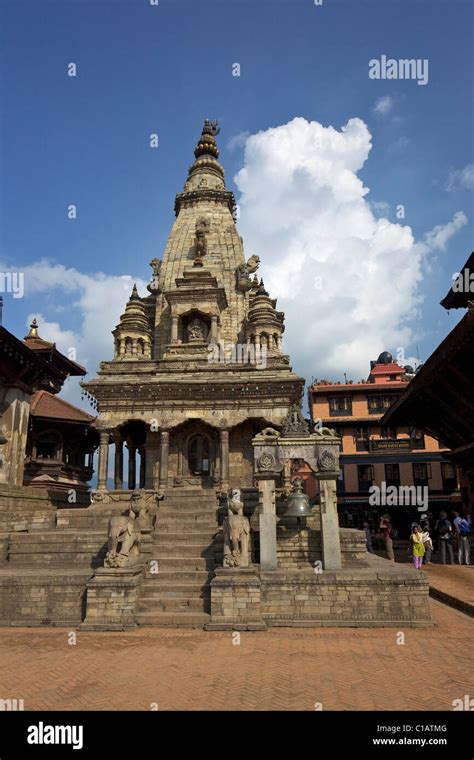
(373, 455)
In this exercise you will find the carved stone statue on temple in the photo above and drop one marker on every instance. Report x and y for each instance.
(123, 540)
(154, 284)
(200, 241)
(197, 331)
(236, 532)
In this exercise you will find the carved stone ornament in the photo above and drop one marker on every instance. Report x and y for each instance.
(266, 461)
(295, 425)
(327, 460)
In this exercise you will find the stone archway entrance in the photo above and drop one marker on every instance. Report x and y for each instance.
(195, 455)
(199, 455)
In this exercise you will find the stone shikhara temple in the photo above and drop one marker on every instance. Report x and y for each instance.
(203, 523)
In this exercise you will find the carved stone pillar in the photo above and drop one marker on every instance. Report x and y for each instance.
(118, 470)
(267, 525)
(330, 539)
(132, 475)
(164, 456)
(103, 460)
(142, 451)
(224, 446)
(174, 329)
(214, 329)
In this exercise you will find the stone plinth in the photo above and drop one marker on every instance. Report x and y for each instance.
(379, 595)
(235, 601)
(111, 599)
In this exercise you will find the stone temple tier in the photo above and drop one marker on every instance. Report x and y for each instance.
(203, 522)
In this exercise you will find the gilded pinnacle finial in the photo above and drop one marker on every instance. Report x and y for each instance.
(33, 329)
(207, 144)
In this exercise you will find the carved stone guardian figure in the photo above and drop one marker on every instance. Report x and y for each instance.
(200, 241)
(236, 532)
(123, 540)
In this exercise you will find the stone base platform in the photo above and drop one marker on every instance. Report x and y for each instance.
(381, 594)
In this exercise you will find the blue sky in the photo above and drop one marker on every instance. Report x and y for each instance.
(144, 69)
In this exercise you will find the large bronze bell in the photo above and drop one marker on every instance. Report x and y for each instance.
(298, 502)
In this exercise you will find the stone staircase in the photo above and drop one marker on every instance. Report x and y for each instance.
(187, 544)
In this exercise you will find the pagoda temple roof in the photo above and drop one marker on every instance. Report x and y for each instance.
(50, 353)
(45, 404)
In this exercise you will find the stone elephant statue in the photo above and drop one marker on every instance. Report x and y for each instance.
(123, 541)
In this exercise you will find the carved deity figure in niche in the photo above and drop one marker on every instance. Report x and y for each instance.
(197, 331)
(236, 532)
(200, 240)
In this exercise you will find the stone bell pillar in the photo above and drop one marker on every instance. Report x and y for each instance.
(330, 540)
(103, 464)
(267, 525)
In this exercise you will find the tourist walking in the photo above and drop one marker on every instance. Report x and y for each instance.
(444, 531)
(387, 534)
(427, 543)
(463, 534)
(417, 547)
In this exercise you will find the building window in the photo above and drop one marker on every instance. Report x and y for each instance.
(421, 473)
(361, 438)
(388, 433)
(340, 406)
(392, 474)
(417, 438)
(448, 475)
(379, 404)
(365, 474)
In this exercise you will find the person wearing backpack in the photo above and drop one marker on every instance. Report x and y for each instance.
(463, 534)
(444, 531)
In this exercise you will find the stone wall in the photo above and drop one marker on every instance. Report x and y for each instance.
(25, 509)
(36, 597)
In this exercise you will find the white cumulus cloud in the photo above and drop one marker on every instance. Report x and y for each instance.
(384, 105)
(348, 281)
(461, 178)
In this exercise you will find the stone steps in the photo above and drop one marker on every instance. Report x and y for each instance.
(159, 603)
(180, 576)
(57, 548)
(177, 589)
(180, 539)
(177, 563)
(185, 551)
(175, 619)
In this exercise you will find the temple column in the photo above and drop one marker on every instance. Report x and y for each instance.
(164, 456)
(132, 465)
(267, 525)
(174, 329)
(330, 539)
(142, 451)
(224, 446)
(214, 329)
(118, 469)
(103, 460)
